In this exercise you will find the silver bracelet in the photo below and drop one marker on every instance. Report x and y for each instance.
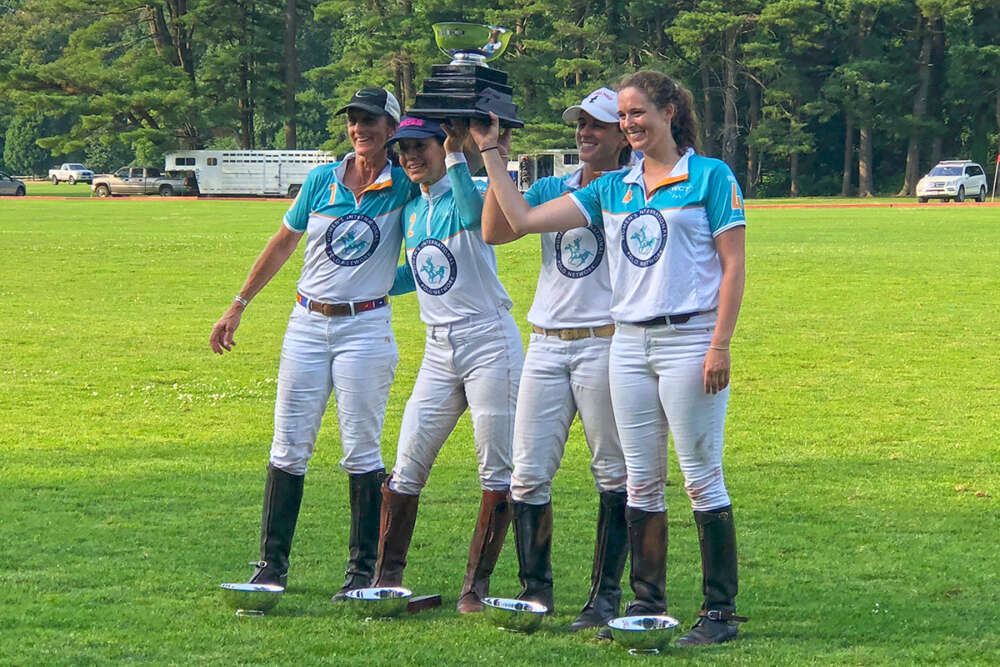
(241, 300)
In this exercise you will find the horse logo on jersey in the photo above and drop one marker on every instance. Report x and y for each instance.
(351, 239)
(579, 251)
(432, 259)
(644, 235)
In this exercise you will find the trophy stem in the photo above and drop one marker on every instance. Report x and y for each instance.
(468, 58)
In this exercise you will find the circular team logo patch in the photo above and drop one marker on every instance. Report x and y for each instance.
(434, 267)
(579, 251)
(644, 235)
(351, 239)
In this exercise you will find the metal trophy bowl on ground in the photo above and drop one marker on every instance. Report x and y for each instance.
(467, 87)
(514, 615)
(642, 634)
(251, 599)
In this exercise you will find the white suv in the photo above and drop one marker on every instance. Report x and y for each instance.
(953, 179)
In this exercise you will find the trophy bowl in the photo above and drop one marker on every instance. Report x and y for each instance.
(378, 602)
(251, 599)
(514, 615)
(462, 41)
(642, 634)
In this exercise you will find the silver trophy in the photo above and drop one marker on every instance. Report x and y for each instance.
(468, 87)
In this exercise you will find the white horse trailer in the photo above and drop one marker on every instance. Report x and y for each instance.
(552, 162)
(279, 173)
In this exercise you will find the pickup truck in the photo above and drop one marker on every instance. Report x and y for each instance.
(70, 172)
(140, 181)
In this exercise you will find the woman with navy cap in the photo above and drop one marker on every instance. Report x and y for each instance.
(675, 235)
(566, 372)
(339, 336)
(472, 353)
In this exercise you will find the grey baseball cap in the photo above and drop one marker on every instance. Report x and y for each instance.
(378, 101)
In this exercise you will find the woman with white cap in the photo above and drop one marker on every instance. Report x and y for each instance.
(566, 372)
(676, 238)
(339, 336)
(472, 353)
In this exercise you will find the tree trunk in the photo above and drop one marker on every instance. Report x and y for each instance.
(708, 144)
(291, 71)
(753, 159)
(245, 108)
(937, 149)
(793, 168)
(730, 132)
(866, 184)
(919, 110)
(845, 181)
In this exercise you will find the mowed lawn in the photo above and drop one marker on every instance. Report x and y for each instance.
(862, 451)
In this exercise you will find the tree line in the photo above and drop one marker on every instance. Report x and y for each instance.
(798, 96)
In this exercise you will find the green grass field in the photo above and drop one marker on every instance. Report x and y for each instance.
(862, 451)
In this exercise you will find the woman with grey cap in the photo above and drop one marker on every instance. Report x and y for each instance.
(566, 372)
(339, 338)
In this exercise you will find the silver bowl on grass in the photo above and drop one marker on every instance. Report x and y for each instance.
(642, 634)
(379, 601)
(251, 599)
(514, 615)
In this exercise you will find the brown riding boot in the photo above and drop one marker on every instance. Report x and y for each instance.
(491, 528)
(717, 621)
(399, 515)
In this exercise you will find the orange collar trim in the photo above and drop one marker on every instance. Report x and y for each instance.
(387, 183)
(670, 180)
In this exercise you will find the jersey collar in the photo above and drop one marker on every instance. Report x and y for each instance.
(678, 174)
(435, 190)
(382, 181)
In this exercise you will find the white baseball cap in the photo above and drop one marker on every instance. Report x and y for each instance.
(602, 104)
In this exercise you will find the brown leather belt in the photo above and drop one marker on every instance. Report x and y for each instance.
(341, 309)
(606, 331)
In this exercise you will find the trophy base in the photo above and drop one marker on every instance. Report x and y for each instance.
(444, 114)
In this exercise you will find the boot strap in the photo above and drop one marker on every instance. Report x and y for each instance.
(721, 615)
(258, 563)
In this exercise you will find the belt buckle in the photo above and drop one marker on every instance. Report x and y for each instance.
(567, 334)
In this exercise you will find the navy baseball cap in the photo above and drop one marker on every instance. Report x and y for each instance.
(378, 101)
(412, 127)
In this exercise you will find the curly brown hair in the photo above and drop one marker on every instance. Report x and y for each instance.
(662, 91)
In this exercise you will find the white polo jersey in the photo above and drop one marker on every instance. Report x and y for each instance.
(574, 285)
(452, 269)
(661, 249)
(352, 244)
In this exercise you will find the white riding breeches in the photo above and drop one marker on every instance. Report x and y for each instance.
(657, 386)
(474, 364)
(353, 356)
(560, 379)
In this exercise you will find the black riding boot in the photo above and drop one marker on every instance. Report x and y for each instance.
(366, 504)
(533, 538)
(717, 620)
(610, 553)
(647, 533)
(282, 498)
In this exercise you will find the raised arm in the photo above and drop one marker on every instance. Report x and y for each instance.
(468, 200)
(557, 215)
(496, 229)
(277, 251)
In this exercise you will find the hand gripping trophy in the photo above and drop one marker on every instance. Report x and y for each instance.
(467, 87)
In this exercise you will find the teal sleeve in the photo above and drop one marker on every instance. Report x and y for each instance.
(725, 200)
(589, 201)
(404, 283)
(297, 217)
(534, 195)
(468, 198)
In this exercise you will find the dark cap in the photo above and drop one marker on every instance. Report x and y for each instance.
(412, 127)
(374, 100)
